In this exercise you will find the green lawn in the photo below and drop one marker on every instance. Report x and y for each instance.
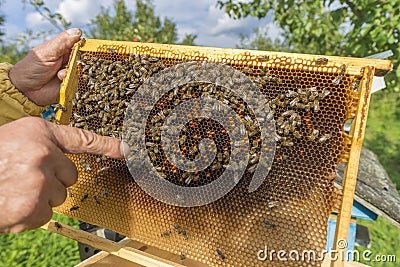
(385, 241)
(39, 248)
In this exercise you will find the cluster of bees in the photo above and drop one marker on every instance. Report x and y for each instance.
(191, 134)
(288, 123)
(108, 86)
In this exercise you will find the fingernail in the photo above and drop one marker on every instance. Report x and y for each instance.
(61, 74)
(124, 149)
(74, 31)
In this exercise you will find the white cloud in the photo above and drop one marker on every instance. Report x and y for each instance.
(80, 12)
(201, 17)
(35, 21)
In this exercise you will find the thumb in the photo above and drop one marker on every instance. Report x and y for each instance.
(59, 45)
(76, 141)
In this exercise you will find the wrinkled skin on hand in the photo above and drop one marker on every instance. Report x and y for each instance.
(39, 74)
(34, 172)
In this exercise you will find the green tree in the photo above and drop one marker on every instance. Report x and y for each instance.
(261, 41)
(1, 24)
(189, 39)
(119, 23)
(342, 27)
(56, 19)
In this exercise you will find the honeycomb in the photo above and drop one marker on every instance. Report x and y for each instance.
(261, 133)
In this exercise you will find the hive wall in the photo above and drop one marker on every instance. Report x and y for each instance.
(309, 97)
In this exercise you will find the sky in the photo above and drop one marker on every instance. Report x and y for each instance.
(201, 17)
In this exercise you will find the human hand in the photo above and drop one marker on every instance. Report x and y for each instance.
(34, 172)
(38, 75)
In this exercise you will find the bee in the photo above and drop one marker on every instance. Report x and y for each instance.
(278, 137)
(69, 190)
(272, 79)
(316, 105)
(97, 200)
(87, 167)
(189, 179)
(104, 169)
(324, 138)
(271, 204)
(338, 79)
(185, 237)
(59, 106)
(58, 225)
(314, 134)
(248, 70)
(96, 180)
(291, 93)
(110, 50)
(166, 233)
(182, 257)
(287, 142)
(356, 84)
(294, 102)
(269, 224)
(74, 208)
(84, 197)
(321, 61)
(324, 93)
(82, 42)
(270, 115)
(106, 192)
(288, 113)
(220, 254)
(297, 134)
(263, 58)
(176, 226)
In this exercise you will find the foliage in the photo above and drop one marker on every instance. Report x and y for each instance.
(261, 41)
(341, 28)
(384, 241)
(1, 25)
(382, 134)
(143, 25)
(189, 39)
(331, 27)
(39, 248)
(56, 19)
(16, 49)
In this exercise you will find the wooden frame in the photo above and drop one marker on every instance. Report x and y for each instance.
(159, 258)
(133, 253)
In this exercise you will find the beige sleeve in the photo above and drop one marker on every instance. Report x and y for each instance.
(13, 104)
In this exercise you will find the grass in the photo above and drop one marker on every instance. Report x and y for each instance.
(384, 241)
(382, 134)
(39, 248)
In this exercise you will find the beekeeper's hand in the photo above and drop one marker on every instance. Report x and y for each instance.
(39, 74)
(34, 172)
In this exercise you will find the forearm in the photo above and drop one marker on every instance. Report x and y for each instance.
(13, 104)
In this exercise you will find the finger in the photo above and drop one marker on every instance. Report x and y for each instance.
(39, 217)
(65, 170)
(61, 74)
(74, 140)
(53, 49)
(43, 214)
(47, 94)
(55, 191)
